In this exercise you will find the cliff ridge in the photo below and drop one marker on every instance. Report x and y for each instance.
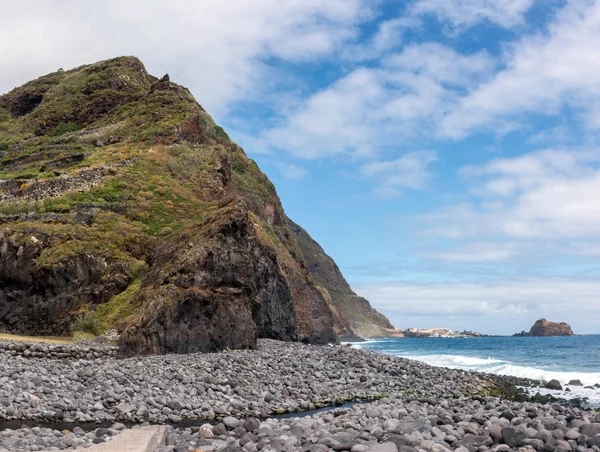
(123, 205)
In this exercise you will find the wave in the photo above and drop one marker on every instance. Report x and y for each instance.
(500, 367)
(363, 343)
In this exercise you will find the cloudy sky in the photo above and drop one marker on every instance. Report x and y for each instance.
(445, 152)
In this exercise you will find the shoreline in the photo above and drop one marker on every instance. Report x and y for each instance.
(364, 380)
(486, 360)
(230, 396)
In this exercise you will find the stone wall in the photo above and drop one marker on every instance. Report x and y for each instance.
(57, 351)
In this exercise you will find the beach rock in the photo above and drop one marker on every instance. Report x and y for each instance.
(384, 447)
(206, 431)
(554, 384)
(590, 430)
(475, 440)
(251, 424)
(359, 448)
(575, 383)
(495, 431)
(231, 422)
(220, 429)
(513, 436)
(372, 411)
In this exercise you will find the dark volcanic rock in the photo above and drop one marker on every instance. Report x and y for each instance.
(38, 300)
(220, 288)
(513, 436)
(554, 384)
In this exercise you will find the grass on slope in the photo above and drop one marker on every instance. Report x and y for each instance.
(47, 340)
(171, 167)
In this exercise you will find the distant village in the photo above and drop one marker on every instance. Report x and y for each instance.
(438, 332)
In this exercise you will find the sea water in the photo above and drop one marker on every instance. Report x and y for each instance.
(539, 358)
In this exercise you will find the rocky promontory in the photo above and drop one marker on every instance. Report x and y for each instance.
(124, 206)
(543, 327)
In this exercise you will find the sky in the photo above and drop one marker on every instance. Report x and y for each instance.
(445, 153)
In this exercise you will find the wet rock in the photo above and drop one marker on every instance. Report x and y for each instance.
(554, 384)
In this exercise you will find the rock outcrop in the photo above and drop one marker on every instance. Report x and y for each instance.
(356, 317)
(543, 327)
(121, 199)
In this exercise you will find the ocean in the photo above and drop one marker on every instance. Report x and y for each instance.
(540, 358)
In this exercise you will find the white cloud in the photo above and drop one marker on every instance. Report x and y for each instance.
(389, 35)
(409, 171)
(544, 73)
(218, 49)
(496, 307)
(465, 13)
(532, 204)
(477, 252)
(291, 171)
(372, 108)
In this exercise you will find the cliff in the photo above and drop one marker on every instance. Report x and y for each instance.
(123, 205)
(543, 327)
(355, 315)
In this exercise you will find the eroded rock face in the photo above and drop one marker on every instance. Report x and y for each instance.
(40, 300)
(543, 327)
(215, 287)
(354, 316)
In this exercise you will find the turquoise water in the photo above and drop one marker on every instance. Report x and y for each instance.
(540, 358)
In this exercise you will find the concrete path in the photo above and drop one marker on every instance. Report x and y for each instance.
(144, 439)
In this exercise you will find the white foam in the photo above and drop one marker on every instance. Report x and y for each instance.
(499, 367)
(361, 344)
(455, 361)
(504, 367)
(593, 395)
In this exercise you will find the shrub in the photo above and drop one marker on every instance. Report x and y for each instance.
(88, 322)
(64, 127)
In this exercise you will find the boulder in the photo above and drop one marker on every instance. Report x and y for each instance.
(590, 430)
(513, 436)
(554, 384)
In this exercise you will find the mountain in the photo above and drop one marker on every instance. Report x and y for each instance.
(543, 327)
(355, 315)
(123, 205)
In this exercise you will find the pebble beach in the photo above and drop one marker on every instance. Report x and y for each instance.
(253, 400)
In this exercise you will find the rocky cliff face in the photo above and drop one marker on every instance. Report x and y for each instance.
(354, 314)
(543, 327)
(121, 199)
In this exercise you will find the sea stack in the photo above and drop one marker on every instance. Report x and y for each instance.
(543, 327)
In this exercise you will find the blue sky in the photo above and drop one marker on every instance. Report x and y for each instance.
(444, 152)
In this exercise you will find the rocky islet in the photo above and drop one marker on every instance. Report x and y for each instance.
(543, 327)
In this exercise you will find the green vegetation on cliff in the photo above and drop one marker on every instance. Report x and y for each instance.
(120, 196)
